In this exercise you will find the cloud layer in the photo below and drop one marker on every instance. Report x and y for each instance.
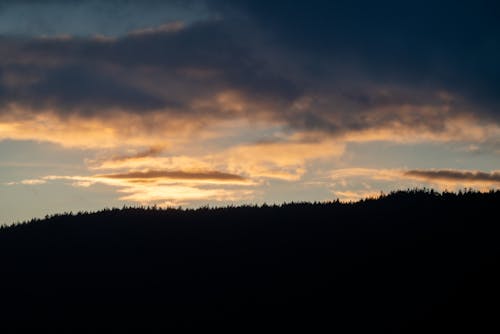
(332, 70)
(208, 99)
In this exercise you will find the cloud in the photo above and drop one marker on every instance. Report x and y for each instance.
(372, 173)
(386, 41)
(200, 176)
(85, 91)
(33, 182)
(155, 177)
(455, 175)
(163, 187)
(245, 65)
(29, 182)
(139, 72)
(112, 130)
(284, 158)
(231, 174)
(150, 152)
(355, 183)
(179, 194)
(176, 162)
(176, 187)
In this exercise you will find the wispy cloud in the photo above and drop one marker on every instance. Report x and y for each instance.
(455, 175)
(354, 183)
(284, 159)
(163, 187)
(359, 172)
(30, 182)
(33, 182)
(177, 176)
(150, 152)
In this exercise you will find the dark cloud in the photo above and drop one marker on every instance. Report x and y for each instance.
(455, 175)
(176, 175)
(141, 72)
(322, 65)
(449, 45)
(85, 90)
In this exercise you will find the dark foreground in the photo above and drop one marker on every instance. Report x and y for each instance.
(410, 262)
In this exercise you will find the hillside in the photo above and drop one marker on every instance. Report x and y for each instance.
(408, 262)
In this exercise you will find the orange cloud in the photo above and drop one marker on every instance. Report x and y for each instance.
(150, 152)
(230, 174)
(371, 173)
(281, 160)
(178, 176)
(114, 130)
(234, 114)
(285, 159)
(173, 187)
(179, 194)
(172, 163)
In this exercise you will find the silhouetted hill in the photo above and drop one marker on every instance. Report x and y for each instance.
(408, 262)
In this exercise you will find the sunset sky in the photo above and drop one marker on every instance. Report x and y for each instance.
(196, 102)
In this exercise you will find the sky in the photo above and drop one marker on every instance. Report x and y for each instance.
(211, 102)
